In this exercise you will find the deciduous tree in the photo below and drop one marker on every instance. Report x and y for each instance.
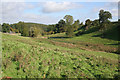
(69, 22)
(103, 18)
(68, 19)
(87, 24)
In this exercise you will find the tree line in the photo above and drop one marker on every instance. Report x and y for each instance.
(67, 25)
(26, 29)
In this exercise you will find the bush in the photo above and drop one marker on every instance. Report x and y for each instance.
(25, 32)
(69, 32)
(33, 32)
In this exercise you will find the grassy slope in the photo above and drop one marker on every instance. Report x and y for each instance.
(89, 38)
(53, 58)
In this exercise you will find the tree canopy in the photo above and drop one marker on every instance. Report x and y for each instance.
(103, 18)
(76, 24)
(68, 19)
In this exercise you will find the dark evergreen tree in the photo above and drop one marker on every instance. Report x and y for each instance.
(61, 26)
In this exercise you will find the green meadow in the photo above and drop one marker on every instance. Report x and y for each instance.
(83, 56)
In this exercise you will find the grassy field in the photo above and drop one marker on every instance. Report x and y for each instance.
(58, 57)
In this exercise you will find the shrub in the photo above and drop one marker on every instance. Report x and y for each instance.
(33, 32)
(25, 32)
(69, 32)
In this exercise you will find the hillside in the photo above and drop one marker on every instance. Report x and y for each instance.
(31, 23)
(59, 40)
(113, 32)
(84, 56)
(43, 26)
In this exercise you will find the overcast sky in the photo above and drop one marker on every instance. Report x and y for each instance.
(50, 12)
